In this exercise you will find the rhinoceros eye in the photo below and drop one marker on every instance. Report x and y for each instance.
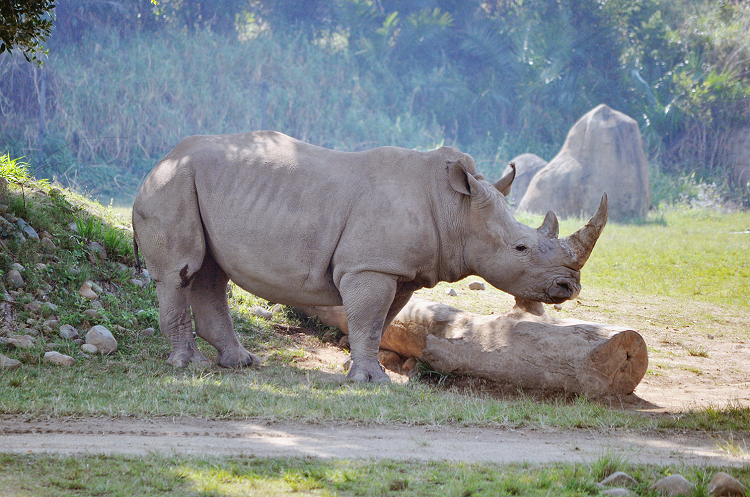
(521, 248)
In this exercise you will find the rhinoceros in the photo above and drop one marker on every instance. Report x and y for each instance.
(302, 225)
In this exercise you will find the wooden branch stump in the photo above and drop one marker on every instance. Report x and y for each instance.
(525, 347)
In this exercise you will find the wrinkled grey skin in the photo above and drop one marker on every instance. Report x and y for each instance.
(302, 225)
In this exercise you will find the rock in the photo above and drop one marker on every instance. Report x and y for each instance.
(619, 479)
(724, 485)
(602, 153)
(27, 229)
(673, 485)
(96, 287)
(58, 359)
(34, 306)
(527, 165)
(261, 312)
(52, 346)
(98, 249)
(390, 360)
(3, 186)
(48, 244)
(476, 285)
(89, 348)
(92, 314)
(52, 307)
(277, 308)
(102, 338)
(137, 283)
(78, 341)
(15, 279)
(409, 365)
(68, 332)
(148, 332)
(87, 292)
(451, 292)
(73, 226)
(22, 341)
(617, 492)
(31, 233)
(8, 363)
(344, 342)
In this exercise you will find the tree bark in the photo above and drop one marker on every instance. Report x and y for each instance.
(525, 347)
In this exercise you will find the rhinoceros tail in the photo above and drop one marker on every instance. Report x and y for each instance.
(137, 259)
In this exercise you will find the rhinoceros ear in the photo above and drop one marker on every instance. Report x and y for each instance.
(461, 180)
(504, 183)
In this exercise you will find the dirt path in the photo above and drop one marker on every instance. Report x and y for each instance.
(198, 436)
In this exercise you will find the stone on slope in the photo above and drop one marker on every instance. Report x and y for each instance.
(8, 363)
(102, 339)
(58, 359)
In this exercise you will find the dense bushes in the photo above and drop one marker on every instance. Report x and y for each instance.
(494, 78)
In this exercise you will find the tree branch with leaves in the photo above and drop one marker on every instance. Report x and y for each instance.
(26, 25)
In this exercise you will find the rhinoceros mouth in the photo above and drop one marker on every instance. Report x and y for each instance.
(562, 289)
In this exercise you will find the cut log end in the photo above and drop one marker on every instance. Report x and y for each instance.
(615, 366)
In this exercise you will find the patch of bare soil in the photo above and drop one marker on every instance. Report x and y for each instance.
(207, 437)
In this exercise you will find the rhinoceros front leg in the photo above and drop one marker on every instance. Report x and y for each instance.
(213, 323)
(175, 323)
(370, 303)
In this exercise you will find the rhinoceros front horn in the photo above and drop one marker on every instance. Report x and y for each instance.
(582, 242)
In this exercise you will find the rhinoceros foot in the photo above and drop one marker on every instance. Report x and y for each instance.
(367, 373)
(237, 358)
(188, 357)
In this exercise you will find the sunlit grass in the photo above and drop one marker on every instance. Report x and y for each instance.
(682, 252)
(178, 476)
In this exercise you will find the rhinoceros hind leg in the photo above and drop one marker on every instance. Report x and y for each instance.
(213, 323)
(175, 323)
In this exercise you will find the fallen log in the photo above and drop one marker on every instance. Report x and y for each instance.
(525, 347)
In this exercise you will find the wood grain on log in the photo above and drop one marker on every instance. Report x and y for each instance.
(525, 347)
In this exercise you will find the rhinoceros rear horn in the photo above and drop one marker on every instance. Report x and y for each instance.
(550, 228)
(503, 184)
(582, 242)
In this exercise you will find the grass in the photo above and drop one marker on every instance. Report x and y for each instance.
(136, 382)
(87, 475)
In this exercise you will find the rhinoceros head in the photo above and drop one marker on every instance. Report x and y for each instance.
(532, 264)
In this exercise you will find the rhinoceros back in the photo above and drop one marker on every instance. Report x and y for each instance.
(280, 215)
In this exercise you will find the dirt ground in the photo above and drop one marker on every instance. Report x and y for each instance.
(699, 356)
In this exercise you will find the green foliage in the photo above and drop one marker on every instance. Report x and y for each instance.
(26, 25)
(14, 169)
(496, 80)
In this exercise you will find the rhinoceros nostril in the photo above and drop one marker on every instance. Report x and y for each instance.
(565, 287)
